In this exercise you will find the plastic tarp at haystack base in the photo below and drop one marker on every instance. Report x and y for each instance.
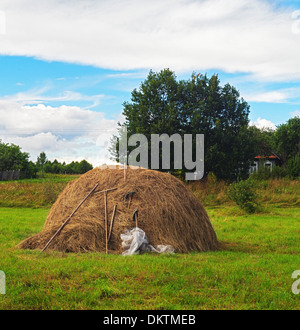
(135, 241)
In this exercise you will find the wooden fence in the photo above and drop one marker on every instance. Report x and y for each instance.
(10, 175)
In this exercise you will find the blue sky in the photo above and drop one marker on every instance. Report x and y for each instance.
(31, 80)
(67, 67)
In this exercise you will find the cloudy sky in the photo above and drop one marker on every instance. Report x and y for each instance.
(67, 66)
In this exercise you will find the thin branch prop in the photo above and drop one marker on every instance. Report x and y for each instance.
(105, 208)
(69, 217)
(103, 191)
(111, 223)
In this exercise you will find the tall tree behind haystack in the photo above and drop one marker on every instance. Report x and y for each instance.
(41, 161)
(198, 105)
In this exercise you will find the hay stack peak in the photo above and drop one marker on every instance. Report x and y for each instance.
(168, 212)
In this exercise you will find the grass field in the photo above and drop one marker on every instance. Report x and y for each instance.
(34, 193)
(252, 271)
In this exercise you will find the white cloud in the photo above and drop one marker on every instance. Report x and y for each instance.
(37, 142)
(295, 113)
(268, 97)
(36, 96)
(263, 124)
(2, 23)
(234, 36)
(283, 95)
(66, 132)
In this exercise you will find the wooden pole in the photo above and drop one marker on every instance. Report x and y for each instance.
(106, 215)
(130, 199)
(102, 191)
(135, 217)
(106, 238)
(111, 223)
(69, 217)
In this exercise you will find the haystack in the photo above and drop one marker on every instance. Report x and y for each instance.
(156, 202)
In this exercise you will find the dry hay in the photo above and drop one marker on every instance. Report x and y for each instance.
(168, 212)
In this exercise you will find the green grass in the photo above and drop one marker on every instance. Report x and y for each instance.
(283, 192)
(42, 192)
(33, 193)
(252, 271)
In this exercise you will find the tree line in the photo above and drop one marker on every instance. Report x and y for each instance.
(12, 158)
(200, 105)
(56, 167)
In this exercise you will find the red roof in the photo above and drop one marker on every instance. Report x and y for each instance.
(273, 157)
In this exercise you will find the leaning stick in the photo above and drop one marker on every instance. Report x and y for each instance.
(105, 209)
(105, 204)
(111, 223)
(103, 191)
(135, 217)
(130, 199)
(68, 219)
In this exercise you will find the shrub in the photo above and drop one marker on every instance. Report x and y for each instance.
(244, 194)
(265, 173)
(293, 167)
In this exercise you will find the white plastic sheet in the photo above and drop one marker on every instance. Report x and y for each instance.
(135, 241)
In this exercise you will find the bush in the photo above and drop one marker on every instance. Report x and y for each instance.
(265, 173)
(244, 194)
(293, 167)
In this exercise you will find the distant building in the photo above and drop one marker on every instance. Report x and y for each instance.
(265, 161)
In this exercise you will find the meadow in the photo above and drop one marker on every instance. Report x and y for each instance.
(252, 270)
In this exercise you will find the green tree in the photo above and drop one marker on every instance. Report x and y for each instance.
(56, 167)
(31, 170)
(287, 139)
(41, 161)
(72, 168)
(263, 140)
(198, 105)
(84, 167)
(293, 167)
(12, 158)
